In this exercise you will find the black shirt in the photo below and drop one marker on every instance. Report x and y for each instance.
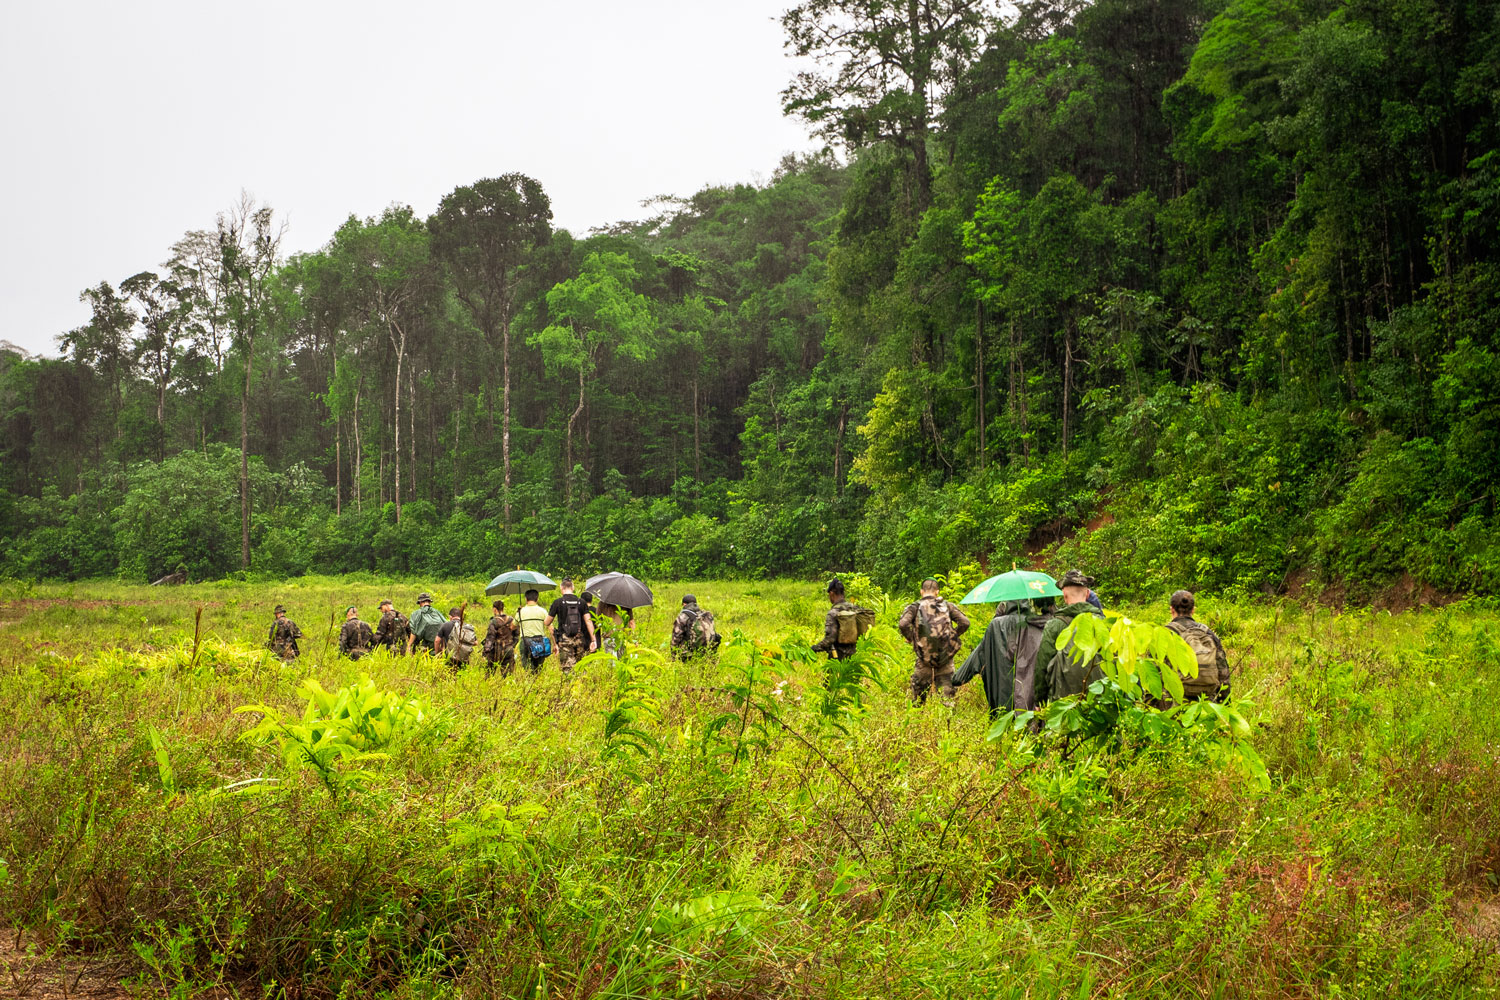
(561, 617)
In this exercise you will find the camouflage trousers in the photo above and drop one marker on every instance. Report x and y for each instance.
(933, 671)
(570, 649)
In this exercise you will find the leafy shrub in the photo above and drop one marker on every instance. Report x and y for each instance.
(352, 725)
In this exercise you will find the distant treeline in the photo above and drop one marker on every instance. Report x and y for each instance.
(1205, 293)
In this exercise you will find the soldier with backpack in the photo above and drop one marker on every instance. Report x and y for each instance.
(284, 635)
(693, 631)
(1058, 673)
(457, 638)
(843, 625)
(391, 631)
(500, 642)
(424, 624)
(1212, 681)
(574, 632)
(356, 638)
(933, 627)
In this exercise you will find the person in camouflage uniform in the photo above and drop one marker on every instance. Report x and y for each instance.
(933, 627)
(391, 630)
(500, 642)
(693, 630)
(1076, 588)
(356, 638)
(574, 635)
(284, 635)
(1195, 633)
(836, 650)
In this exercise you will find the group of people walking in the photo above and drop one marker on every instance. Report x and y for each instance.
(1022, 667)
(570, 625)
(1018, 660)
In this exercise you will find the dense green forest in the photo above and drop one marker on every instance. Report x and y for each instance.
(1187, 292)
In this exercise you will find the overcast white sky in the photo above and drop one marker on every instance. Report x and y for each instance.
(125, 125)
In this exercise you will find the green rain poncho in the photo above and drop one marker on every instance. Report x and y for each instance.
(1011, 632)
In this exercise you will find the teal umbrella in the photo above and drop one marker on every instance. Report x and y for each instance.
(1017, 585)
(518, 581)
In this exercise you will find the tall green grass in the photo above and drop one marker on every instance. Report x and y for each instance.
(742, 828)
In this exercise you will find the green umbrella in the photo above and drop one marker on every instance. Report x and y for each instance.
(518, 581)
(1017, 585)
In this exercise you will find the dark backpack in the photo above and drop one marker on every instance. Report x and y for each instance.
(392, 631)
(570, 620)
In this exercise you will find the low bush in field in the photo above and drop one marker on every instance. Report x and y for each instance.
(769, 823)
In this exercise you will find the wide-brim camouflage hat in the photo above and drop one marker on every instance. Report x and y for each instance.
(424, 596)
(1075, 578)
(280, 609)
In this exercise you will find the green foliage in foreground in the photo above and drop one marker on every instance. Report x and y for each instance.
(754, 827)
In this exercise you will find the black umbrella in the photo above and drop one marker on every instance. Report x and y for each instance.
(620, 589)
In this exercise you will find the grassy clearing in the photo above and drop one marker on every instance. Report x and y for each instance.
(741, 829)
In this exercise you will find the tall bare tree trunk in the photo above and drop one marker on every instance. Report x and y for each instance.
(838, 451)
(505, 412)
(398, 344)
(568, 472)
(397, 421)
(457, 428)
(359, 453)
(979, 377)
(338, 466)
(245, 451)
(697, 467)
(1067, 383)
(161, 421)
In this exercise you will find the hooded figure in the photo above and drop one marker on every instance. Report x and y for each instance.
(1005, 659)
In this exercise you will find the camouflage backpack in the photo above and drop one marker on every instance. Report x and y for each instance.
(701, 631)
(936, 633)
(392, 630)
(1201, 641)
(853, 621)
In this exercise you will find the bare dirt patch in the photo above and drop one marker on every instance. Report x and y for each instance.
(32, 972)
(1478, 917)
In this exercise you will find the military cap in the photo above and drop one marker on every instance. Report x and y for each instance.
(350, 608)
(280, 610)
(1075, 578)
(424, 596)
(689, 599)
(385, 602)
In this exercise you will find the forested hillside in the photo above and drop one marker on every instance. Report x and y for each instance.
(1200, 293)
